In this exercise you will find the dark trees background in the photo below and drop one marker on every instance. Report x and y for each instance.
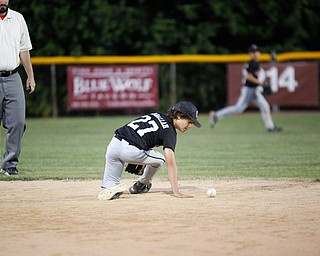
(146, 27)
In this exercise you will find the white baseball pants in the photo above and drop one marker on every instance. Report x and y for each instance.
(249, 95)
(120, 152)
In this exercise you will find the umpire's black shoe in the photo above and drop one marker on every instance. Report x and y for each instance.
(10, 171)
(139, 187)
(275, 129)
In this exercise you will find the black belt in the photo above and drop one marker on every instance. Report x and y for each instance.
(8, 73)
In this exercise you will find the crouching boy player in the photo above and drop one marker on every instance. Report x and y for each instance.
(134, 142)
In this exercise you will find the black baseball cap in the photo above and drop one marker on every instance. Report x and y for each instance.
(254, 48)
(188, 109)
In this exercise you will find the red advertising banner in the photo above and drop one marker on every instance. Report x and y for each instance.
(112, 87)
(293, 84)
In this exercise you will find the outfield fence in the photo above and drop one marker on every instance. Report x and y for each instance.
(171, 60)
(186, 58)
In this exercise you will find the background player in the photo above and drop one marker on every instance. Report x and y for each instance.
(250, 92)
(133, 143)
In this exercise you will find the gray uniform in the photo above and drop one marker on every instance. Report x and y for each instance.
(12, 116)
(120, 152)
(250, 93)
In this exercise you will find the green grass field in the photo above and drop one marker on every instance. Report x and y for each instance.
(238, 147)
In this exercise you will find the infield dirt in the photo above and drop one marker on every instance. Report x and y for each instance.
(247, 217)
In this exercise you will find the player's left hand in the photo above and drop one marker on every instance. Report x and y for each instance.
(136, 169)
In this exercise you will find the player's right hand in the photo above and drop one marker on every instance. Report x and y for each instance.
(180, 195)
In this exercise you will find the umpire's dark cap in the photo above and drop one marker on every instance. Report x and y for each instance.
(188, 109)
(254, 48)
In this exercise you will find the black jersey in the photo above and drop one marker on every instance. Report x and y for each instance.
(149, 131)
(252, 67)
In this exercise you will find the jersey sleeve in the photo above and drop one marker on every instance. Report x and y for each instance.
(170, 140)
(25, 42)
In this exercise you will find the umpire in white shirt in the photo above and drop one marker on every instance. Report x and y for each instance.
(15, 45)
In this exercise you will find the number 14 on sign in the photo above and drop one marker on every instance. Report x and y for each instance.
(286, 79)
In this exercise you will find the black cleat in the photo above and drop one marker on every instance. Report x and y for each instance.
(275, 129)
(138, 188)
(212, 119)
(10, 171)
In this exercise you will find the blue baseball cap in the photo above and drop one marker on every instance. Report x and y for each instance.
(254, 48)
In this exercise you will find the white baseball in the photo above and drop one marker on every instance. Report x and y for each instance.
(211, 192)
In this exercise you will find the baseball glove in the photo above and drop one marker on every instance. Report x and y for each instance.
(266, 89)
(136, 169)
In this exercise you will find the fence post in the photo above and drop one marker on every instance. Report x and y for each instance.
(54, 90)
(173, 84)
